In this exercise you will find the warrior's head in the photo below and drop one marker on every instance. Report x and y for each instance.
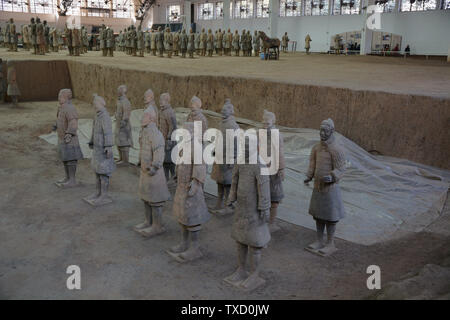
(148, 117)
(98, 103)
(227, 109)
(64, 96)
(149, 96)
(326, 129)
(268, 119)
(164, 99)
(122, 90)
(196, 103)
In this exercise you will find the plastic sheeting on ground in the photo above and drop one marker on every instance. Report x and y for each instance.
(384, 197)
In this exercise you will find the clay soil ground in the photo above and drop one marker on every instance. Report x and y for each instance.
(386, 74)
(44, 229)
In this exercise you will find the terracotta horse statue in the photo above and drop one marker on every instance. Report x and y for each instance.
(269, 43)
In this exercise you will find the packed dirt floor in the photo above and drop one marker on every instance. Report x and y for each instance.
(44, 229)
(387, 74)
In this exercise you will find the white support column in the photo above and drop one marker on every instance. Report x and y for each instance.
(397, 5)
(274, 8)
(187, 14)
(366, 33)
(226, 15)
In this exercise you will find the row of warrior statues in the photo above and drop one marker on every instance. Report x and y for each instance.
(243, 190)
(42, 38)
(157, 42)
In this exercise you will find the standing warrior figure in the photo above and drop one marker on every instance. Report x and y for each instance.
(228, 43)
(147, 41)
(102, 38)
(149, 102)
(133, 41)
(307, 43)
(33, 35)
(40, 36)
(221, 173)
(168, 42)
(2, 81)
(197, 115)
(152, 183)
(2, 38)
(76, 41)
(13, 89)
(123, 134)
(326, 167)
(102, 154)
(215, 37)
(167, 124)
(197, 43)
(256, 43)
(189, 206)
(127, 40)
(47, 36)
(8, 35)
(160, 42)
(284, 42)
(55, 38)
(249, 44)
(251, 191)
(276, 180)
(191, 44)
(176, 43)
(202, 46)
(219, 45)
(140, 41)
(337, 44)
(236, 43)
(12, 35)
(68, 145)
(84, 39)
(244, 43)
(210, 43)
(153, 37)
(26, 37)
(183, 43)
(68, 36)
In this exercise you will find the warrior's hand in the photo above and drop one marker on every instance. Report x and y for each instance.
(264, 215)
(67, 138)
(307, 180)
(151, 171)
(195, 185)
(327, 179)
(123, 123)
(108, 152)
(281, 173)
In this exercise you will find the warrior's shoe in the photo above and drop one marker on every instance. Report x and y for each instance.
(315, 247)
(141, 226)
(253, 282)
(100, 201)
(193, 253)
(274, 227)
(327, 250)
(237, 277)
(152, 231)
(67, 184)
(225, 211)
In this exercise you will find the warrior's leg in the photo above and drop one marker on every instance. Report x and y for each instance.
(71, 170)
(254, 280)
(273, 225)
(320, 227)
(329, 247)
(147, 218)
(183, 245)
(193, 252)
(157, 227)
(97, 192)
(66, 170)
(166, 167)
(220, 193)
(240, 274)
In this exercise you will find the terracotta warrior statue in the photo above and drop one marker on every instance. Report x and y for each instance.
(202, 43)
(236, 46)
(256, 43)
(191, 44)
(68, 145)
(189, 206)
(284, 42)
(183, 43)
(167, 124)
(124, 137)
(251, 191)
(160, 42)
(210, 43)
(276, 180)
(326, 167)
(40, 36)
(102, 154)
(110, 43)
(102, 38)
(196, 114)
(228, 43)
(219, 45)
(33, 35)
(168, 42)
(12, 35)
(152, 183)
(176, 43)
(147, 40)
(153, 38)
(149, 102)
(140, 41)
(221, 173)
(307, 43)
